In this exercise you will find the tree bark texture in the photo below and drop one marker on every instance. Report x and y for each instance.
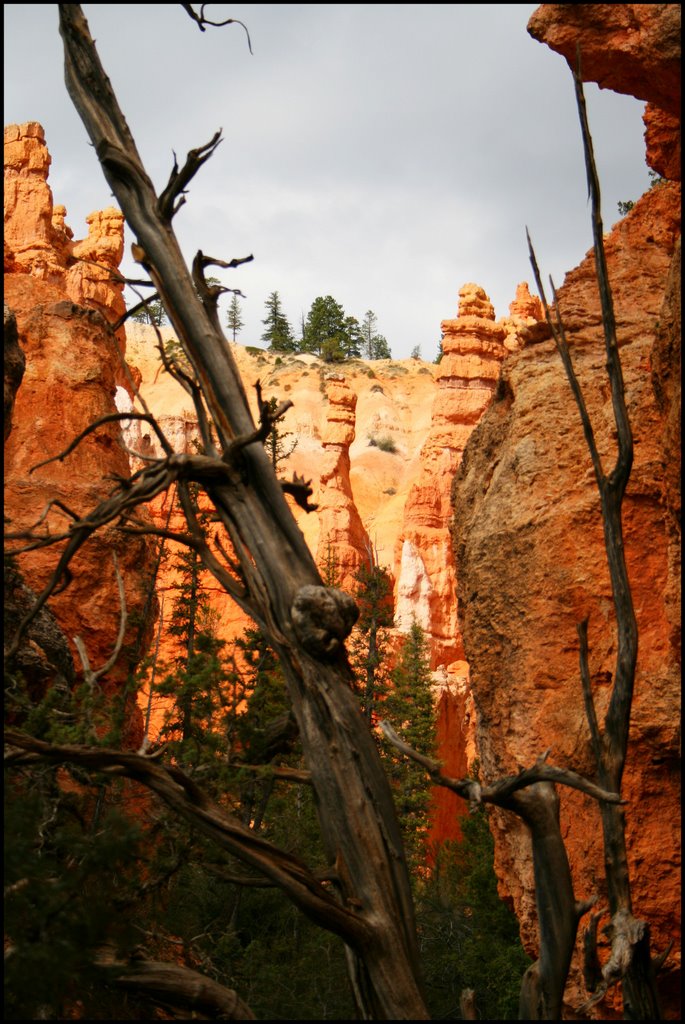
(280, 586)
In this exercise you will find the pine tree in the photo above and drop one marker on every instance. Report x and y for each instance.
(369, 646)
(152, 313)
(368, 330)
(278, 334)
(409, 709)
(463, 924)
(373, 344)
(438, 358)
(276, 444)
(234, 321)
(329, 333)
(205, 687)
(353, 338)
(380, 348)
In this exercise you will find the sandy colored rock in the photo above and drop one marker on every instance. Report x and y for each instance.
(91, 280)
(531, 564)
(29, 234)
(466, 378)
(68, 383)
(343, 542)
(526, 306)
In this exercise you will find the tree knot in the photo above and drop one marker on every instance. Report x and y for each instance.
(323, 619)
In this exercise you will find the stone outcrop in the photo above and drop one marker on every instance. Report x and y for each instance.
(473, 349)
(69, 380)
(344, 544)
(32, 244)
(662, 138)
(92, 278)
(529, 543)
(632, 49)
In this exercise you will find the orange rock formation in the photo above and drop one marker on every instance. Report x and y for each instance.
(343, 541)
(528, 534)
(528, 559)
(68, 382)
(472, 354)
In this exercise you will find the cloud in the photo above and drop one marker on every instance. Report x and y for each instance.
(384, 155)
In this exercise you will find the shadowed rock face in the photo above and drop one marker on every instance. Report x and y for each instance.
(530, 553)
(14, 365)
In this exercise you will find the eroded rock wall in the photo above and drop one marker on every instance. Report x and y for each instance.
(530, 552)
(69, 380)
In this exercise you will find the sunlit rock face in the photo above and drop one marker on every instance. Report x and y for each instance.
(529, 543)
(90, 280)
(71, 365)
(32, 243)
(473, 349)
(343, 542)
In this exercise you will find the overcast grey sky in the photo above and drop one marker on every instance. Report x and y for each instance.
(382, 154)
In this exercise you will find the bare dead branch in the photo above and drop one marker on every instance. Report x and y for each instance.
(138, 308)
(182, 794)
(559, 334)
(179, 179)
(301, 490)
(590, 713)
(209, 294)
(618, 477)
(112, 417)
(630, 961)
(592, 969)
(284, 774)
(189, 384)
(123, 618)
(355, 805)
(499, 792)
(177, 985)
(201, 21)
(141, 488)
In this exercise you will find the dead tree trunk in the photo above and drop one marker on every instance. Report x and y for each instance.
(274, 577)
(630, 962)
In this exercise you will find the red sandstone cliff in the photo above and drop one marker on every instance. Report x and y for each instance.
(528, 535)
(528, 559)
(69, 380)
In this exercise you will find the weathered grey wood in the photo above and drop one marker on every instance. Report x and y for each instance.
(354, 802)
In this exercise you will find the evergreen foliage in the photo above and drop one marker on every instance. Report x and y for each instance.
(329, 333)
(152, 313)
(369, 638)
(234, 320)
(374, 345)
(469, 938)
(277, 445)
(409, 709)
(69, 872)
(277, 333)
(438, 358)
